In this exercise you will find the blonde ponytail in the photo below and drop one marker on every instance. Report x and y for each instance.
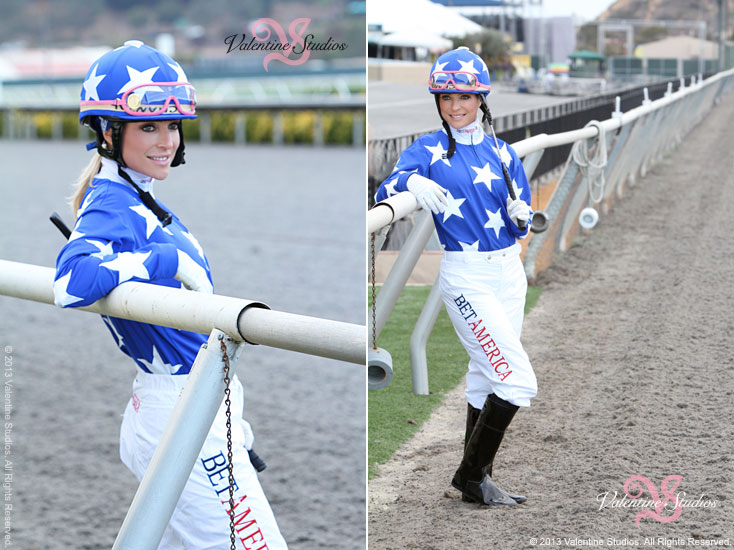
(85, 181)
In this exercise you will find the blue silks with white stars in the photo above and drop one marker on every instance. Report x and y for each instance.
(117, 239)
(476, 215)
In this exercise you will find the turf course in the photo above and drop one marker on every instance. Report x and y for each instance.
(395, 413)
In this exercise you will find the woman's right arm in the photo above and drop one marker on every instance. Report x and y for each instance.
(101, 254)
(414, 160)
(410, 174)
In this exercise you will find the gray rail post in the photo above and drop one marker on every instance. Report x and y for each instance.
(419, 338)
(402, 268)
(179, 447)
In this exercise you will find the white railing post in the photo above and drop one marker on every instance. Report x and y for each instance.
(419, 339)
(403, 267)
(179, 447)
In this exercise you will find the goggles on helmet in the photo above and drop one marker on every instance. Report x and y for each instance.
(455, 80)
(153, 99)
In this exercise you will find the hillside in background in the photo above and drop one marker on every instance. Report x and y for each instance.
(655, 10)
(697, 10)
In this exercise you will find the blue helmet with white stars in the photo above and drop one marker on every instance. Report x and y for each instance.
(459, 71)
(134, 83)
(137, 82)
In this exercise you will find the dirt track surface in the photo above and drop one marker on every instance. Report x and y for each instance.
(284, 225)
(632, 345)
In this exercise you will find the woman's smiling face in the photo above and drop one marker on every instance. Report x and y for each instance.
(459, 110)
(148, 146)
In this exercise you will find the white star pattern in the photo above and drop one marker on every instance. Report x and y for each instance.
(61, 297)
(437, 151)
(468, 67)
(452, 207)
(116, 334)
(91, 83)
(466, 247)
(196, 244)
(390, 188)
(517, 189)
(151, 221)
(137, 78)
(495, 221)
(75, 235)
(156, 365)
(179, 71)
(85, 204)
(104, 249)
(440, 66)
(485, 176)
(129, 265)
(504, 154)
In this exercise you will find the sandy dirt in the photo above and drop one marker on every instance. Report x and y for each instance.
(284, 225)
(632, 344)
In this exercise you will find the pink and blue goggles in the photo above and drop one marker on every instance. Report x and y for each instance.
(151, 99)
(455, 80)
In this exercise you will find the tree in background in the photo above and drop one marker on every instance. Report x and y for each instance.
(586, 37)
(489, 44)
(643, 35)
(492, 47)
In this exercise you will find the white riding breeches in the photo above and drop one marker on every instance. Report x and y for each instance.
(484, 294)
(201, 518)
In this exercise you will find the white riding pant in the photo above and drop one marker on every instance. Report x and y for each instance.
(484, 293)
(201, 518)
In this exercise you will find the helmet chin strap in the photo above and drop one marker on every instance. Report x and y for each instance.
(115, 153)
(163, 215)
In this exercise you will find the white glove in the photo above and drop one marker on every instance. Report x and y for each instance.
(249, 436)
(430, 195)
(518, 210)
(192, 275)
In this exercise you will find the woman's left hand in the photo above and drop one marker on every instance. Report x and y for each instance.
(192, 275)
(518, 210)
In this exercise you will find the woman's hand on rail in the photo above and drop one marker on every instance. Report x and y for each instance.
(192, 275)
(430, 195)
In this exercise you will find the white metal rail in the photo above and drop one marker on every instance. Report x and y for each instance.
(240, 319)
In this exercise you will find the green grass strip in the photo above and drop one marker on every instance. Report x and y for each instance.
(395, 413)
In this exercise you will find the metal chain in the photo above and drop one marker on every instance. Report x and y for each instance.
(230, 466)
(374, 303)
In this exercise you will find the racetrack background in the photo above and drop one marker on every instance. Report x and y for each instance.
(632, 344)
(284, 225)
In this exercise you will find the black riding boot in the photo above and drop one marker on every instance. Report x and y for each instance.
(485, 430)
(471, 419)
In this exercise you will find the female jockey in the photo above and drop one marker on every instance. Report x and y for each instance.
(457, 173)
(134, 98)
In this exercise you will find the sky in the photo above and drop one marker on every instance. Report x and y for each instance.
(586, 9)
